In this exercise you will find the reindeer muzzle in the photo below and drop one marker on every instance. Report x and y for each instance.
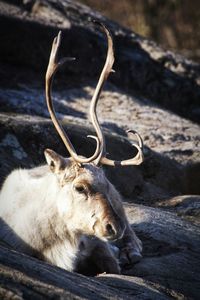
(113, 230)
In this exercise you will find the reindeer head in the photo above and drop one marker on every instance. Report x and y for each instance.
(85, 199)
(92, 208)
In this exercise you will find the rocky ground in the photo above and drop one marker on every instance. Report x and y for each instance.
(154, 92)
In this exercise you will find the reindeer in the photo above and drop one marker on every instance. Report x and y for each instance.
(67, 212)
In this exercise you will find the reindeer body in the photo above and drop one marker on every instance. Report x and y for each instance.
(67, 212)
(31, 215)
(44, 215)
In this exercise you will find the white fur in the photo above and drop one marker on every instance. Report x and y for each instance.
(43, 215)
(26, 204)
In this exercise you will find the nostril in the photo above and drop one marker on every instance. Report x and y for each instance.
(110, 230)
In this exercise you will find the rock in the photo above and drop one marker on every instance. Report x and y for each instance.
(141, 66)
(174, 141)
(24, 138)
(169, 269)
(187, 206)
(150, 92)
(170, 250)
(39, 280)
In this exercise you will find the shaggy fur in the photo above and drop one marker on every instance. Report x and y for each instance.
(67, 215)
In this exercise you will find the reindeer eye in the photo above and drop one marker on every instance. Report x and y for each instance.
(80, 188)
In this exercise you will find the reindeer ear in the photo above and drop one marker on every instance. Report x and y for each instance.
(56, 162)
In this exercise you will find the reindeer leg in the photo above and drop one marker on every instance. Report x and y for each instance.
(130, 247)
(96, 257)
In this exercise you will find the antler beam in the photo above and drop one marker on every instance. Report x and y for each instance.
(107, 69)
(53, 66)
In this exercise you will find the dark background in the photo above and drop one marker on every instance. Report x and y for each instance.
(175, 24)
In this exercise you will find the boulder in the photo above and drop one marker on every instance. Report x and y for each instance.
(153, 91)
(141, 66)
(169, 269)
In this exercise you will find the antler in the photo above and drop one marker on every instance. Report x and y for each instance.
(107, 69)
(136, 160)
(53, 66)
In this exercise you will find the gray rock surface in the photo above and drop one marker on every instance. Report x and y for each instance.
(169, 269)
(150, 92)
(141, 66)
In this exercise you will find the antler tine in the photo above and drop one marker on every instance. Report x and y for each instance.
(53, 66)
(107, 69)
(137, 160)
